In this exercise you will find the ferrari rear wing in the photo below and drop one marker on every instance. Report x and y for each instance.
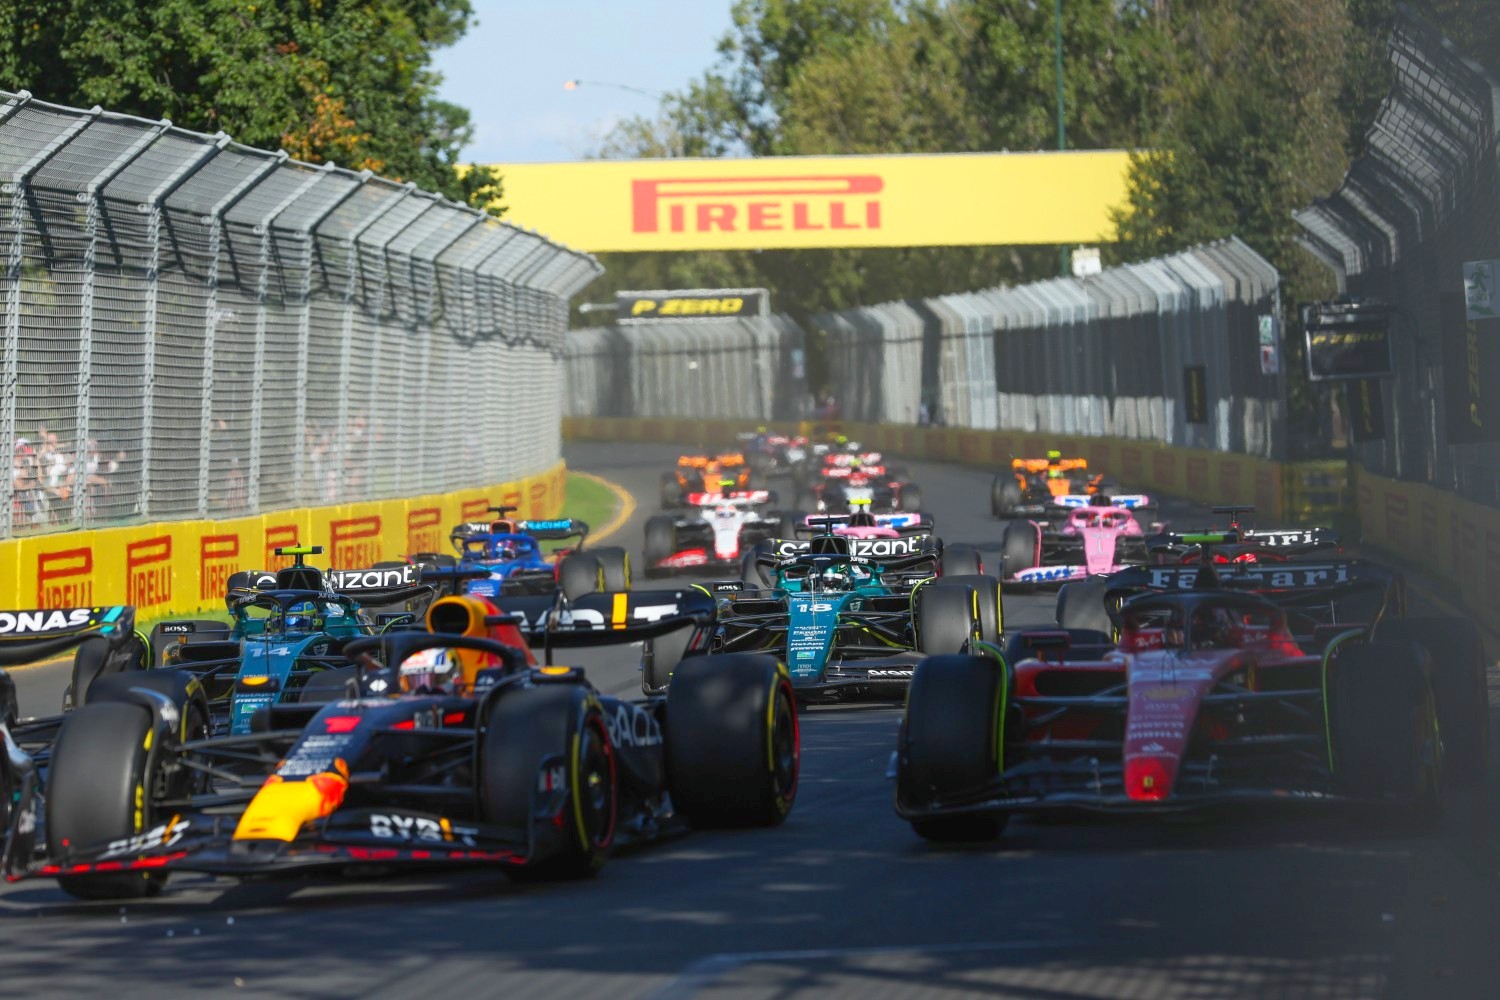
(31, 635)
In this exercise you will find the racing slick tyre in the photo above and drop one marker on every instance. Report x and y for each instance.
(1383, 724)
(98, 772)
(660, 659)
(1080, 605)
(661, 542)
(163, 636)
(961, 560)
(522, 728)
(1019, 548)
(580, 574)
(947, 743)
(1458, 682)
(944, 618)
(671, 491)
(733, 745)
(614, 563)
(911, 498)
(1005, 495)
(986, 596)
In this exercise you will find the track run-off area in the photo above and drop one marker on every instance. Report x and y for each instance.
(844, 899)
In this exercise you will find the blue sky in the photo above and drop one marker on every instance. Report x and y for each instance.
(510, 69)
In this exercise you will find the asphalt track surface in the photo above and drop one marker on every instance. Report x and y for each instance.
(842, 900)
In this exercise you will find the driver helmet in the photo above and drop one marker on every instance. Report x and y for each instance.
(300, 617)
(835, 577)
(429, 671)
(506, 552)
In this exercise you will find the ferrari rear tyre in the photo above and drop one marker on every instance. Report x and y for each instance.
(524, 727)
(944, 618)
(947, 745)
(733, 746)
(1383, 723)
(1459, 685)
(97, 774)
(580, 575)
(614, 563)
(961, 560)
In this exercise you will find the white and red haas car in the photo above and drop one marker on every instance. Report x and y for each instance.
(715, 531)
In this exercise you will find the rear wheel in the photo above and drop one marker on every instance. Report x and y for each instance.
(948, 743)
(987, 599)
(945, 619)
(1459, 685)
(661, 540)
(961, 560)
(522, 729)
(733, 747)
(614, 563)
(671, 490)
(1080, 605)
(98, 773)
(1005, 495)
(579, 575)
(1020, 548)
(1383, 722)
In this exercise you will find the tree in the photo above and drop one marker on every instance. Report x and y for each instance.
(349, 81)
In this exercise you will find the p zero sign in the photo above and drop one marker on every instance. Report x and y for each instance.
(703, 303)
(821, 201)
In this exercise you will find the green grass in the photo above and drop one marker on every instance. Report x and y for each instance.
(587, 501)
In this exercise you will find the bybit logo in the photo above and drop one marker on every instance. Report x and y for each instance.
(757, 204)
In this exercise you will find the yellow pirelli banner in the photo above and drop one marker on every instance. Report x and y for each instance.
(952, 199)
(183, 566)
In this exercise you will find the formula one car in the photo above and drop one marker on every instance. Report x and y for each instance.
(703, 474)
(1209, 697)
(287, 636)
(845, 480)
(511, 551)
(850, 616)
(770, 454)
(723, 526)
(1271, 544)
(449, 748)
(1093, 539)
(1031, 483)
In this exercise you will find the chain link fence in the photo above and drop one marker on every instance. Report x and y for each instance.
(748, 368)
(1183, 350)
(195, 328)
(1423, 199)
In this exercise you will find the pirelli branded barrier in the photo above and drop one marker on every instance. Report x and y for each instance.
(1280, 490)
(182, 566)
(1444, 536)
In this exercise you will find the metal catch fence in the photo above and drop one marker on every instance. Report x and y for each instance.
(746, 368)
(195, 328)
(1182, 349)
(1424, 199)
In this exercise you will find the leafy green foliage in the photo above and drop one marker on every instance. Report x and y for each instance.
(349, 81)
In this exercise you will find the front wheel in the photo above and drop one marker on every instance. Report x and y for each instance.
(523, 728)
(733, 744)
(98, 791)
